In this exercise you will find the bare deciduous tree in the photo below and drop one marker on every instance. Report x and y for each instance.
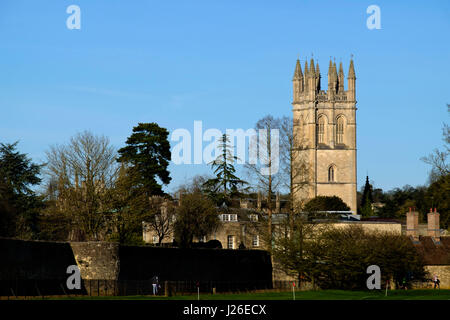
(162, 219)
(439, 159)
(295, 250)
(84, 169)
(294, 168)
(266, 172)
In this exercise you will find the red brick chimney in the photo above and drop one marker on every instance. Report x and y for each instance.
(433, 225)
(412, 225)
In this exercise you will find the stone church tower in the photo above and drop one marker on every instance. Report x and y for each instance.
(324, 157)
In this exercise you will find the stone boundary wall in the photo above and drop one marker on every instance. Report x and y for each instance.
(38, 267)
(97, 260)
(443, 273)
(34, 260)
(194, 264)
(372, 226)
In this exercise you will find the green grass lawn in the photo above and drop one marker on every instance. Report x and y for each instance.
(299, 295)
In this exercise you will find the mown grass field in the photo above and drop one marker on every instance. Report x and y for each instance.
(299, 295)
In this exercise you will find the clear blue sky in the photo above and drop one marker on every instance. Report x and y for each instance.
(227, 63)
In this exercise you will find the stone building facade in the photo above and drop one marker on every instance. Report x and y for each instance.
(432, 244)
(324, 134)
(245, 224)
(240, 227)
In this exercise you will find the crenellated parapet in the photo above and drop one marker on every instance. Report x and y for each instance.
(307, 83)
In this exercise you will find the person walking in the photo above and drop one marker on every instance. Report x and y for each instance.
(437, 282)
(155, 284)
(404, 284)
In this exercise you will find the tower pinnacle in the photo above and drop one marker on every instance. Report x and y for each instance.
(297, 81)
(351, 70)
(341, 78)
(311, 66)
(298, 71)
(317, 77)
(351, 79)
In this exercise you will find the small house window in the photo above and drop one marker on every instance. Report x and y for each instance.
(230, 242)
(255, 241)
(229, 217)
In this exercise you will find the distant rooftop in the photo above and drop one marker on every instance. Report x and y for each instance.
(434, 254)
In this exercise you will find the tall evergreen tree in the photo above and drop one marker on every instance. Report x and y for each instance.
(226, 184)
(147, 154)
(19, 204)
(367, 199)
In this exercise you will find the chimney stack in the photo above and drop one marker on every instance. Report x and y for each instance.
(433, 226)
(243, 203)
(412, 225)
(180, 195)
(277, 203)
(258, 203)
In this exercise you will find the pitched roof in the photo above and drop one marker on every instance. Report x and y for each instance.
(432, 253)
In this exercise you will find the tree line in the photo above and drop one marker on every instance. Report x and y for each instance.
(395, 203)
(90, 191)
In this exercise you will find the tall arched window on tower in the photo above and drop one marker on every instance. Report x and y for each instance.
(331, 173)
(321, 130)
(340, 130)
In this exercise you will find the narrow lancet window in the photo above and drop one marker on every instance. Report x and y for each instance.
(340, 131)
(331, 174)
(321, 130)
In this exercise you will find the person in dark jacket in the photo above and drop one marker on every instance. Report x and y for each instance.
(437, 282)
(155, 284)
